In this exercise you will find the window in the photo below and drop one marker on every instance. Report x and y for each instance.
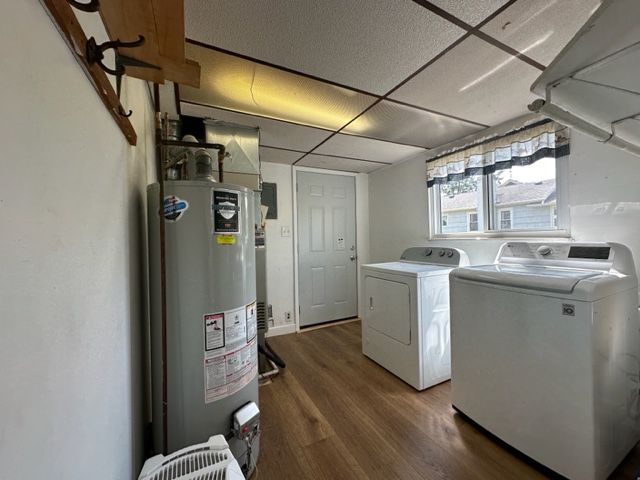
(473, 222)
(522, 198)
(511, 184)
(505, 219)
(458, 201)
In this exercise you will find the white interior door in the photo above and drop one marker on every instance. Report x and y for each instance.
(327, 267)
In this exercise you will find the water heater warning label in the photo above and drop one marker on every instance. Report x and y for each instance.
(226, 206)
(252, 329)
(226, 374)
(235, 329)
(213, 331)
(230, 351)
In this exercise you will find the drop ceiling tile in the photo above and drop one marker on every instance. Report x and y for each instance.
(367, 149)
(540, 28)
(470, 11)
(367, 44)
(275, 155)
(337, 163)
(400, 123)
(273, 133)
(475, 81)
(242, 85)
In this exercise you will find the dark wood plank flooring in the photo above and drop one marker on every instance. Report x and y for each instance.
(334, 414)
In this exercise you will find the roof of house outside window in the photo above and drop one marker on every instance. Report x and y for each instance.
(510, 193)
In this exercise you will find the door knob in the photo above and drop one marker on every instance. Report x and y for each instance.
(352, 257)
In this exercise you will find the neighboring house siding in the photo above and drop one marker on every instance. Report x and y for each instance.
(532, 217)
(523, 217)
(456, 222)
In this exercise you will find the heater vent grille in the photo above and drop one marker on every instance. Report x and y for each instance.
(262, 317)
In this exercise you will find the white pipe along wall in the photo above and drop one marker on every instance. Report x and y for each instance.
(72, 250)
(603, 197)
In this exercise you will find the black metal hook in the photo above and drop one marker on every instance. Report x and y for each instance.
(95, 53)
(123, 113)
(92, 6)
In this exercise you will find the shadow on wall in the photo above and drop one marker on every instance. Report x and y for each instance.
(138, 329)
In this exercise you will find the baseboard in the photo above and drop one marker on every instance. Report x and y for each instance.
(281, 330)
(332, 323)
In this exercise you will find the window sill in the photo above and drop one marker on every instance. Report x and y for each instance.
(514, 234)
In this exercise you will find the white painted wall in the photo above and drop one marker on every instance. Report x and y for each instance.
(72, 255)
(362, 227)
(280, 249)
(280, 262)
(604, 202)
(397, 209)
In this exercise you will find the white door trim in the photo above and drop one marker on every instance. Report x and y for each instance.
(294, 181)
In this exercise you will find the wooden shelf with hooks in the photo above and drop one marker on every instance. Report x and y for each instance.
(159, 22)
(62, 15)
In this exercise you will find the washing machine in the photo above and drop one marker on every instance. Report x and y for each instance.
(405, 320)
(546, 352)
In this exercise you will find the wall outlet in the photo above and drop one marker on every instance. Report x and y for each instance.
(285, 231)
(287, 316)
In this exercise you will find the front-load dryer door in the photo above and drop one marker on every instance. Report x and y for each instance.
(388, 308)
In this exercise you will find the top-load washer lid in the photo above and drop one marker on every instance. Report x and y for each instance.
(532, 277)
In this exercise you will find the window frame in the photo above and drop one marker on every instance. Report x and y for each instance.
(485, 211)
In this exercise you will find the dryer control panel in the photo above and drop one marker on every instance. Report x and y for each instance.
(436, 255)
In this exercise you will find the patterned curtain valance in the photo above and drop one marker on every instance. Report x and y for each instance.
(523, 147)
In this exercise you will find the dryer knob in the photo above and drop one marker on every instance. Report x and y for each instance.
(428, 252)
(449, 253)
(441, 253)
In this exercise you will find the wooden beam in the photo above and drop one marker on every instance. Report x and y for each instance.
(169, 17)
(161, 22)
(187, 73)
(65, 20)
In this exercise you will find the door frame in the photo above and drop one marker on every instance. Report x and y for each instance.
(294, 181)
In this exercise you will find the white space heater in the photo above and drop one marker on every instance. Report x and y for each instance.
(206, 461)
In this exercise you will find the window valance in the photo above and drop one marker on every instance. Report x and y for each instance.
(522, 147)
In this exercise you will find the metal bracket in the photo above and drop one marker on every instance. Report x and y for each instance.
(95, 54)
(92, 6)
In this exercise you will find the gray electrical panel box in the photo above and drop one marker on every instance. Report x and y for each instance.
(210, 364)
(269, 198)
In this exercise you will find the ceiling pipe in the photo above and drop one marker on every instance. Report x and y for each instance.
(569, 119)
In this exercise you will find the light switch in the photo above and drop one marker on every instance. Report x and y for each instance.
(285, 231)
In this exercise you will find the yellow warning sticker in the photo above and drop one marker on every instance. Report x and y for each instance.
(226, 239)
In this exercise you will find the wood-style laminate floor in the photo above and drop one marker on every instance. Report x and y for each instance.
(334, 414)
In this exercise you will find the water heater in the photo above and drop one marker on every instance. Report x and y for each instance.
(204, 354)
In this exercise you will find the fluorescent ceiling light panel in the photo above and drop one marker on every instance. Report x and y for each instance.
(238, 84)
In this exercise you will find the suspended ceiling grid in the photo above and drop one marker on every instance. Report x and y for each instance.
(356, 85)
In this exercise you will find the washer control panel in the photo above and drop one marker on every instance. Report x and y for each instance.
(599, 256)
(556, 251)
